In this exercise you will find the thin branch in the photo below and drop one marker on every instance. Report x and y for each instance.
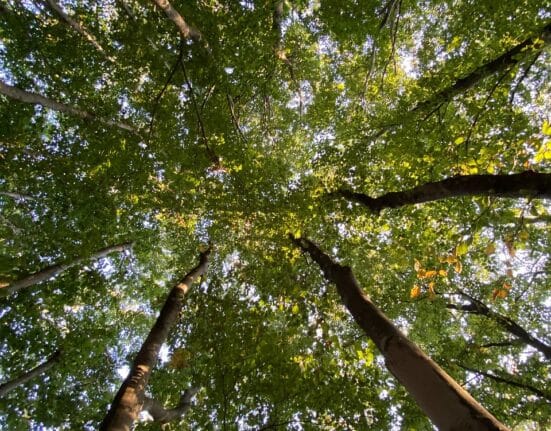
(212, 155)
(524, 76)
(17, 196)
(162, 92)
(528, 184)
(508, 380)
(79, 28)
(475, 306)
(25, 377)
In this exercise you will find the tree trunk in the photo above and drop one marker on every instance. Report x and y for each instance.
(528, 184)
(509, 58)
(448, 405)
(24, 378)
(162, 415)
(478, 307)
(79, 28)
(54, 270)
(37, 99)
(185, 30)
(130, 398)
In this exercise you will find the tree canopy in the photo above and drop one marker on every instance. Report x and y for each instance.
(409, 140)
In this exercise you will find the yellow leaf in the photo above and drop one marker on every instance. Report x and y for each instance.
(524, 235)
(458, 267)
(415, 292)
(546, 128)
(417, 265)
(461, 249)
(430, 273)
(442, 273)
(459, 140)
(432, 293)
(294, 309)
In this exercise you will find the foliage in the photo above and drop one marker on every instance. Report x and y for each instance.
(329, 105)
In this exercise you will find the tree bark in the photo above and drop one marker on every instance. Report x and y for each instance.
(24, 378)
(37, 99)
(528, 184)
(162, 415)
(54, 270)
(130, 398)
(186, 31)
(477, 307)
(79, 28)
(445, 402)
(509, 58)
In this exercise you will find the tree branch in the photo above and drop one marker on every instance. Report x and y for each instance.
(528, 184)
(509, 58)
(476, 306)
(78, 27)
(55, 270)
(162, 415)
(36, 99)
(508, 381)
(186, 31)
(25, 377)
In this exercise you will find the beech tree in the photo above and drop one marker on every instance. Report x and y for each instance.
(404, 142)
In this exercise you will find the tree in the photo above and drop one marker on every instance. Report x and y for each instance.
(408, 141)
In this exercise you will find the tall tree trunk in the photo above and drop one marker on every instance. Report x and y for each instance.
(78, 27)
(54, 270)
(528, 184)
(36, 99)
(448, 405)
(500, 64)
(478, 307)
(24, 378)
(130, 398)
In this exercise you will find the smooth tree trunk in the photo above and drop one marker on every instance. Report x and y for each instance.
(78, 27)
(528, 184)
(500, 64)
(130, 398)
(25, 377)
(444, 401)
(55, 270)
(186, 31)
(478, 307)
(162, 415)
(36, 99)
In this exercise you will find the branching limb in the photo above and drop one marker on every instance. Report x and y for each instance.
(528, 184)
(162, 415)
(475, 306)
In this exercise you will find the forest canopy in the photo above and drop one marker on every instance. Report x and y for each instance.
(229, 162)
